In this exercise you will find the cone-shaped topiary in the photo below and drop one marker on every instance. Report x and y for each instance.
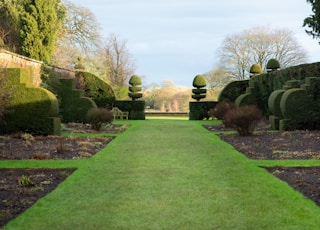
(199, 82)
(273, 64)
(255, 69)
(135, 87)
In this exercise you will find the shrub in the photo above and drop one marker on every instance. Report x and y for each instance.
(98, 116)
(220, 110)
(200, 110)
(243, 119)
(95, 88)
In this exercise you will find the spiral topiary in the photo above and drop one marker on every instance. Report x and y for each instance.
(135, 87)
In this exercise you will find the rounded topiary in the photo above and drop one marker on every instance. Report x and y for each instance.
(135, 80)
(135, 87)
(256, 69)
(199, 81)
(273, 64)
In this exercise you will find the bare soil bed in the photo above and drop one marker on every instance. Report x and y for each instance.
(21, 188)
(265, 144)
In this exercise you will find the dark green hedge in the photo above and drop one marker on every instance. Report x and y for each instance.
(73, 105)
(95, 88)
(263, 85)
(135, 108)
(233, 90)
(34, 109)
(199, 110)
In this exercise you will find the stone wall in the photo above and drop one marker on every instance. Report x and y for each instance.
(13, 60)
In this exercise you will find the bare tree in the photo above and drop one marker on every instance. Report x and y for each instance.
(118, 63)
(218, 78)
(80, 36)
(257, 45)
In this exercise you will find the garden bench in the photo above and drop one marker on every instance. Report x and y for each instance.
(118, 114)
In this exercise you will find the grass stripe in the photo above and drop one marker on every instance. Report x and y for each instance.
(169, 174)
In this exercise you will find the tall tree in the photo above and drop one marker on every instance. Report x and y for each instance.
(313, 21)
(79, 36)
(258, 45)
(10, 11)
(40, 22)
(118, 63)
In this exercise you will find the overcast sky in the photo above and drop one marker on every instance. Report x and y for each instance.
(178, 39)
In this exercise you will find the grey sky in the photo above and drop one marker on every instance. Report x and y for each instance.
(178, 39)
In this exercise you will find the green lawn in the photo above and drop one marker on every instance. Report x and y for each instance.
(168, 174)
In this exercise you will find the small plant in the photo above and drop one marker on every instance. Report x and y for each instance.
(98, 116)
(61, 147)
(243, 119)
(27, 137)
(25, 181)
(39, 188)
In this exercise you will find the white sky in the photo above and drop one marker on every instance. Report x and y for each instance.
(178, 39)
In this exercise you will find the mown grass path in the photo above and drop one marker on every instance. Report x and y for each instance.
(168, 174)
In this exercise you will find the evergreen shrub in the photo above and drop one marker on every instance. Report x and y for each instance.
(255, 69)
(273, 64)
(74, 106)
(199, 82)
(135, 87)
(33, 109)
(234, 89)
(95, 88)
(200, 110)
(135, 108)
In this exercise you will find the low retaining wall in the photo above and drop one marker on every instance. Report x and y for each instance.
(167, 114)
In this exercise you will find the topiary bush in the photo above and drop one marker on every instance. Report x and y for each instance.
(200, 110)
(199, 82)
(6, 95)
(33, 109)
(272, 65)
(99, 116)
(135, 108)
(73, 104)
(233, 90)
(243, 119)
(255, 69)
(95, 88)
(135, 87)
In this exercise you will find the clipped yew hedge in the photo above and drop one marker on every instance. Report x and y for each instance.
(95, 88)
(73, 104)
(200, 110)
(135, 108)
(33, 109)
